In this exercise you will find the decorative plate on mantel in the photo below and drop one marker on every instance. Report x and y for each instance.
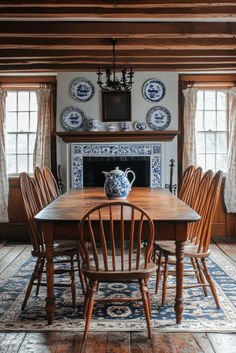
(82, 90)
(153, 90)
(72, 119)
(158, 118)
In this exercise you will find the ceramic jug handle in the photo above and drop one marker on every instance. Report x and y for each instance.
(134, 176)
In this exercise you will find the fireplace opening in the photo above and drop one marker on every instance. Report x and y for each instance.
(93, 167)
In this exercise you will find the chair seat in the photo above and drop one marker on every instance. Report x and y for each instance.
(61, 248)
(190, 249)
(126, 275)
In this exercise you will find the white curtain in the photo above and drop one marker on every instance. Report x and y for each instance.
(230, 181)
(189, 147)
(42, 150)
(4, 188)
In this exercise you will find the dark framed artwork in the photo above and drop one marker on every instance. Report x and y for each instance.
(116, 106)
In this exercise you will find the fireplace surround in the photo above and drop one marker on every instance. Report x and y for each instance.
(148, 155)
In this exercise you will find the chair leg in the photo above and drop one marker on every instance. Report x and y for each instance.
(201, 276)
(81, 276)
(72, 276)
(148, 297)
(86, 300)
(31, 282)
(210, 281)
(91, 294)
(158, 273)
(144, 290)
(165, 277)
(40, 271)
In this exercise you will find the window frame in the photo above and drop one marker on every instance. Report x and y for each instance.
(35, 82)
(17, 133)
(200, 81)
(217, 89)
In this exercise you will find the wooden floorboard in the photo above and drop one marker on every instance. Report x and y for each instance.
(115, 342)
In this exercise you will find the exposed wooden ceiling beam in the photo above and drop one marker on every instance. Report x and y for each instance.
(114, 3)
(82, 53)
(117, 30)
(203, 11)
(123, 44)
(93, 67)
(120, 63)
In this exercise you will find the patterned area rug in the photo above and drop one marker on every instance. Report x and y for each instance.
(200, 313)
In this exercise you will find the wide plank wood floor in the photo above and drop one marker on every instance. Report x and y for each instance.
(116, 342)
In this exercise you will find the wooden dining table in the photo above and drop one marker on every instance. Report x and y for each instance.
(60, 220)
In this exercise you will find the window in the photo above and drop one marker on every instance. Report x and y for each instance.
(212, 129)
(21, 126)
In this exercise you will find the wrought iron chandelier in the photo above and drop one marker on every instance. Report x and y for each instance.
(112, 82)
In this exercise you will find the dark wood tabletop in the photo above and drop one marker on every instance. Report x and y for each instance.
(160, 204)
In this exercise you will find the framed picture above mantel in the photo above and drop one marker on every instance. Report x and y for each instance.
(116, 106)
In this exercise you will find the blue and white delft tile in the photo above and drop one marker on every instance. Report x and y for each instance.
(77, 172)
(157, 149)
(156, 172)
(132, 149)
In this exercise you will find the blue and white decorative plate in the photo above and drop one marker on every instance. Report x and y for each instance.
(82, 90)
(140, 126)
(158, 118)
(153, 90)
(73, 118)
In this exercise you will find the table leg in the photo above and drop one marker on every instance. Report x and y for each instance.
(179, 280)
(48, 229)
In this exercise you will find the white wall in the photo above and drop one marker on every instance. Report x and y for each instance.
(139, 110)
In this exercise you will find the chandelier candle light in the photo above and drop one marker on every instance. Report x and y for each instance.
(112, 82)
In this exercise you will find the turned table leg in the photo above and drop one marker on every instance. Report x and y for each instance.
(48, 229)
(179, 280)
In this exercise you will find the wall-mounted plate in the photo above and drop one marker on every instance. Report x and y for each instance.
(153, 90)
(82, 90)
(72, 119)
(158, 118)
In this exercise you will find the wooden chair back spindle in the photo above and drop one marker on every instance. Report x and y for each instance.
(199, 204)
(185, 180)
(190, 191)
(51, 183)
(110, 227)
(42, 186)
(32, 205)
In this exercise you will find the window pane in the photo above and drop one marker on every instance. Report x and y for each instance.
(23, 121)
(11, 143)
(11, 164)
(210, 100)
(199, 100)
(11, 122)
(221, 162)
(201, 161)
(22, 143)
(11, 100)
(23, 101)
(221, 101)
(31, 163)
(200, 142)
(22, 163)
(199, 120)
(221, 142)
(210, 142)
(33, 121)
(32, 138)
(210, 120)
(221, 121)
(210, 161)
(33, 101)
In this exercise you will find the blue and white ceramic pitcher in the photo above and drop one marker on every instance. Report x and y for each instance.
(117, 184)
